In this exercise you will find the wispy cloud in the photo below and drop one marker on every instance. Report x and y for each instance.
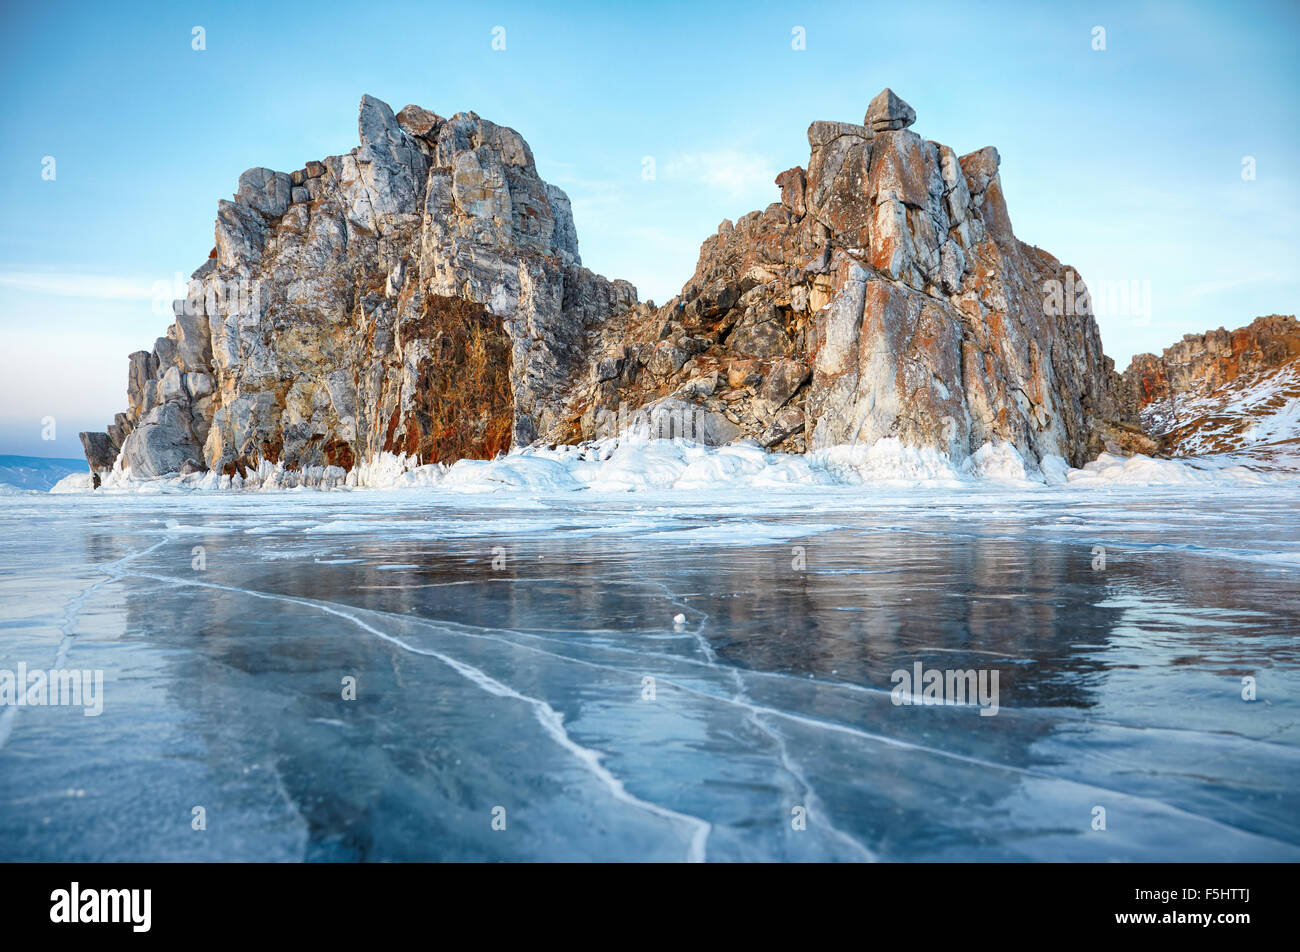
(736, 173)
(1209, 288)
(66, 284)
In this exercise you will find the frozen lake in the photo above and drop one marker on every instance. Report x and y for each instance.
(517, 664)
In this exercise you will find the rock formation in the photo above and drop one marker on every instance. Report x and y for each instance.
(884, 295)
(423, 295)
(1221, 391)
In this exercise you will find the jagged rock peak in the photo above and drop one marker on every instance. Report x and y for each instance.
(888, 112)
(422, 294)
(419, 294)
(884, 296)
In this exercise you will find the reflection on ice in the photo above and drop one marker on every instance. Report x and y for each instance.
(523, 692)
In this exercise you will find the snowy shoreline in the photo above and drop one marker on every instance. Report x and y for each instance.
(631, 463)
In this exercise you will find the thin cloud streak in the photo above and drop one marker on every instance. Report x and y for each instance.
(67, 284)
(734, 172)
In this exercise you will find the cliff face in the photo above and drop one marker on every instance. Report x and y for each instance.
(1221, 391)
(423, 294)
(884, 295)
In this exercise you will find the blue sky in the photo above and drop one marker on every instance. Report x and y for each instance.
(1125, 162)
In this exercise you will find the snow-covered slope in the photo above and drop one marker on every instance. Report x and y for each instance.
(1257, 414)
(1225, 396)
(36, 472)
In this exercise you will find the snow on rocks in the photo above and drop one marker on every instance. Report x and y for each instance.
(1139, 470)
(630, 462)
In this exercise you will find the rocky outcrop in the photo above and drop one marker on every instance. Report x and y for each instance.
(1202, 363)
(1221, 391)
(884, 295)
(423, 294)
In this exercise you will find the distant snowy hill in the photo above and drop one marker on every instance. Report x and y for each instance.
(1234, 393)
(1257, 412)
(36, 472)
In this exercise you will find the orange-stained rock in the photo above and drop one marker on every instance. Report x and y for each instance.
(423, 294)
(1218, 391)
(792, 183)
(899, 282)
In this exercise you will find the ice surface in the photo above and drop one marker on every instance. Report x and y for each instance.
(501, 625)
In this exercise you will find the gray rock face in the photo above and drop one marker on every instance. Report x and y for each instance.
(264, 191)
(421, 294)
(888, 113)
(161, 444)
(100, 450)
(761, 338)
(884, 296)
(784, 380)
(679, 419)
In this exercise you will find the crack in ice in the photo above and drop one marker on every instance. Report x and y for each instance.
(552, 721)
(71, 615)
